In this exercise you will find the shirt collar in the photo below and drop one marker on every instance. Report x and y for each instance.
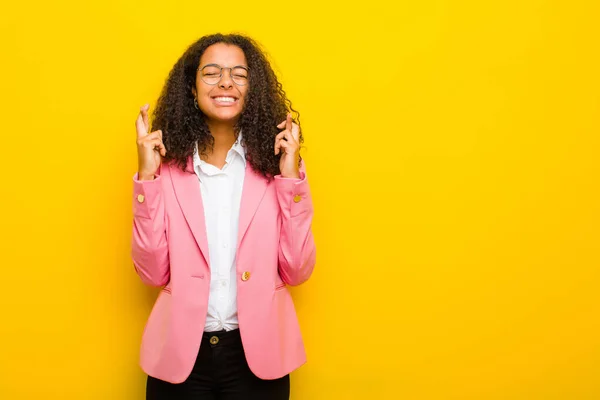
(239, 148)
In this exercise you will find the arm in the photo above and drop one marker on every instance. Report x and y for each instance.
(297, 252)
(149, 248)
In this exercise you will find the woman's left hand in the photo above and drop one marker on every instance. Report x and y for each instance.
(288, 142)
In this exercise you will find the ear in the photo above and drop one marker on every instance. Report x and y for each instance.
(194, 91)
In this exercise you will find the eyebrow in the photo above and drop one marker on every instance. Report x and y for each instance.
(220, 66)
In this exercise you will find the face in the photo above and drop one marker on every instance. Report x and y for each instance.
(223, 100)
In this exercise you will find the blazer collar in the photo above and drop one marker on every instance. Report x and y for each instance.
(189, 197)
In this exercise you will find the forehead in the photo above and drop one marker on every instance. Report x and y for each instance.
(226, 55)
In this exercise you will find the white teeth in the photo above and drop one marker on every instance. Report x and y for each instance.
(225, 99)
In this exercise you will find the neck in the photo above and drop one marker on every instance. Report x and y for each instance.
(224, 135)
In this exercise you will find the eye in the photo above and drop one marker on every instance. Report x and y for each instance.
(240, 73)
(211, 71)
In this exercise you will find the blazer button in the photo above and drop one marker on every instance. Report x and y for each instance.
(245, 276)
(297, 198)
(140, 198)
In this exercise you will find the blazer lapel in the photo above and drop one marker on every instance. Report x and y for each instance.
(187, 191)
(253, 192)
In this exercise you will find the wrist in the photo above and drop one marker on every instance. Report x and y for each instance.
(295, 175)
(145, 177)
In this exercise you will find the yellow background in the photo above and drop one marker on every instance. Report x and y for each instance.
(452, 148)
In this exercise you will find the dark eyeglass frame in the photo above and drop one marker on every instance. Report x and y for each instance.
(201, 68)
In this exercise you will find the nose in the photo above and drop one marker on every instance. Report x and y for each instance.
(226, 82)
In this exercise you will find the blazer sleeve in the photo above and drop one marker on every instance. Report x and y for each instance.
(297, 252)
(149, 249)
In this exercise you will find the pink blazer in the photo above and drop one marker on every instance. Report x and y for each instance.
(170, 249)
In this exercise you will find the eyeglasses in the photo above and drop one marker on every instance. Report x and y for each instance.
(211, 74)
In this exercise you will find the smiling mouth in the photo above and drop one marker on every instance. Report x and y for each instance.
(225, 100)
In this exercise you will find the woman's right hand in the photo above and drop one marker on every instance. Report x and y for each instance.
(150, 147)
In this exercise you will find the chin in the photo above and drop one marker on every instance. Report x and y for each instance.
(224, 116)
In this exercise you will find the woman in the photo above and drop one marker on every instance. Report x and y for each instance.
(222, 220)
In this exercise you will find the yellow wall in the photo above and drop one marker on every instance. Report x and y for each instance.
(452, 148)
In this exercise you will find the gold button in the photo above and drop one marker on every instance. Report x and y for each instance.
(297, 198)
(245, 276)
(140, 198)
(214, 340)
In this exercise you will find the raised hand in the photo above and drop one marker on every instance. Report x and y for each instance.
(150, 146)
(287, 143)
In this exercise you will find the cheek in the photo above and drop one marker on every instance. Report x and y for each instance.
(244, 94)
(204, 101)
(204, 96)
(203, 91)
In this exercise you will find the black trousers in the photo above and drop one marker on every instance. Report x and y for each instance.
(220, 373)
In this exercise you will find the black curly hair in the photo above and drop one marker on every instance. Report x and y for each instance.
(266, 105)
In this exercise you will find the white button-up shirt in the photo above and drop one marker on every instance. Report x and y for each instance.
(221, 196)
